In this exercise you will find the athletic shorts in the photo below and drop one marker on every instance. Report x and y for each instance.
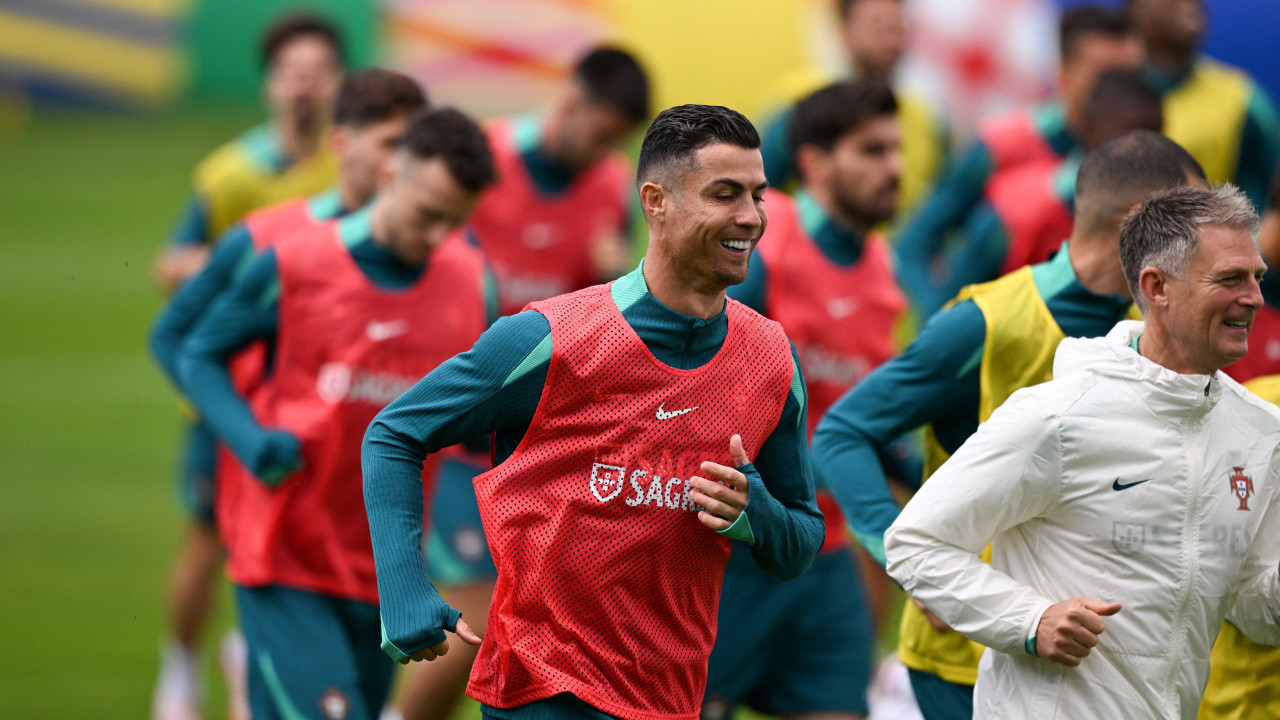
(197, 467)
(312, 655)
(790, 648)
(457, 552)
(939, 699)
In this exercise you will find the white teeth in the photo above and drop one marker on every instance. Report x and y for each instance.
(736, 244)
(1237, 324)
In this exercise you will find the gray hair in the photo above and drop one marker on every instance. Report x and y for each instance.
(1164, 232)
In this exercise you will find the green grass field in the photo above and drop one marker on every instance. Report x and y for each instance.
(88, 517)
(87, 425)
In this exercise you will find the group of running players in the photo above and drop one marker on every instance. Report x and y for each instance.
(367, 268)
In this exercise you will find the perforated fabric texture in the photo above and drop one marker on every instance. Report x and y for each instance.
(608, 585)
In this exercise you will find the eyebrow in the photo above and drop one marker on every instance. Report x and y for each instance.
(737, 185)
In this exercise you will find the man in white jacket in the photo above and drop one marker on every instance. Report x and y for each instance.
(1137, 493)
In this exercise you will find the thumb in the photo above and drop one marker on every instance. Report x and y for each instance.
(1100, 607)
(464, 631)
(737, 452)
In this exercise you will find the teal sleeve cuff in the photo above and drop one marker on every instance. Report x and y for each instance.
(389, 647)
(872, 543)
(1030, 646)
(740, 530)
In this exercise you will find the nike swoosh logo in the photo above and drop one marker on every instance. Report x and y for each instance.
(1117, 485)
(379, 331)
(663, 415)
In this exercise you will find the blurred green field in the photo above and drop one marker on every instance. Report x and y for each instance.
(88, 427)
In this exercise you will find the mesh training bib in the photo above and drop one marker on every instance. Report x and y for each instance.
(1032, 212)
(266, 227)
(345, 349)
(608, 585)
(841, 319)
(540, 245)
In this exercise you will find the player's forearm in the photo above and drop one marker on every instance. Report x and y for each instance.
(245, 314)
(413, 614)
(849, 461)
(918, 246)
(194, 298)
(981, 603)
(783, 507)
(205, 380)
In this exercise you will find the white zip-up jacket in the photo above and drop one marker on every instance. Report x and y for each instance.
(1119, 481)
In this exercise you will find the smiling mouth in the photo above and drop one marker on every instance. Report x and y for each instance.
(1237, 324)
(736, 244)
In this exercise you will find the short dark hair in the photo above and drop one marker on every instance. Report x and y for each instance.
(1124, 100)
(1164, 232)
(372, 96)
(292, 26)
(678, 132)
(824, 117)
(846, 8)
(1121, 171)
(1083, 20)
(450, 134)
(612, 77)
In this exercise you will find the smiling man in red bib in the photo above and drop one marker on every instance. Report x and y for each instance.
(625, 419)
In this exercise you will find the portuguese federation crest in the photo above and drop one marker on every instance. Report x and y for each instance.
(1241, 487)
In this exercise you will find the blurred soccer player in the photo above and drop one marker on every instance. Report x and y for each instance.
(356, 310)
(607, 405)
(555, 221)
(995, 338)
(804, 648)
(282, 159)
(1215, 111)
(1026, 212)
(1092, 39)
(372, 109)
(875, 37)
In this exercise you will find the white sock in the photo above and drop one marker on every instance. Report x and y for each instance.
(179, 672)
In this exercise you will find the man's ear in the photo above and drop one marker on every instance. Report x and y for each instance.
(388, 167)
(813, 164)
(339, 136)
(653, 200)
(1154, 285)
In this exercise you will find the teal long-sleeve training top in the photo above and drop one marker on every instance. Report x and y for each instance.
(496, 387)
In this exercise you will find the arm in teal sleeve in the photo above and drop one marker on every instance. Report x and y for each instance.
(936, 380)
(983, 252)
(193, 223)
(1259, 148)
(922, 267)
(247, 312)
(493, 386)
(751, 292)
(775, 147)
(196, 296)
(782, 507)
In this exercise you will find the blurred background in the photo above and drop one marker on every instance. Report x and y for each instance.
(107, 105)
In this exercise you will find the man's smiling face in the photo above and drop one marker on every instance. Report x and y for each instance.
(717, 214)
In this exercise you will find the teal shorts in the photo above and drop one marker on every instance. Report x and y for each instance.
(197, 469)
(456, 549)
(312, 655)
(791, 648)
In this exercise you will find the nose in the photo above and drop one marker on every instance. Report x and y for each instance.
(750, 214)
(1252, 297)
